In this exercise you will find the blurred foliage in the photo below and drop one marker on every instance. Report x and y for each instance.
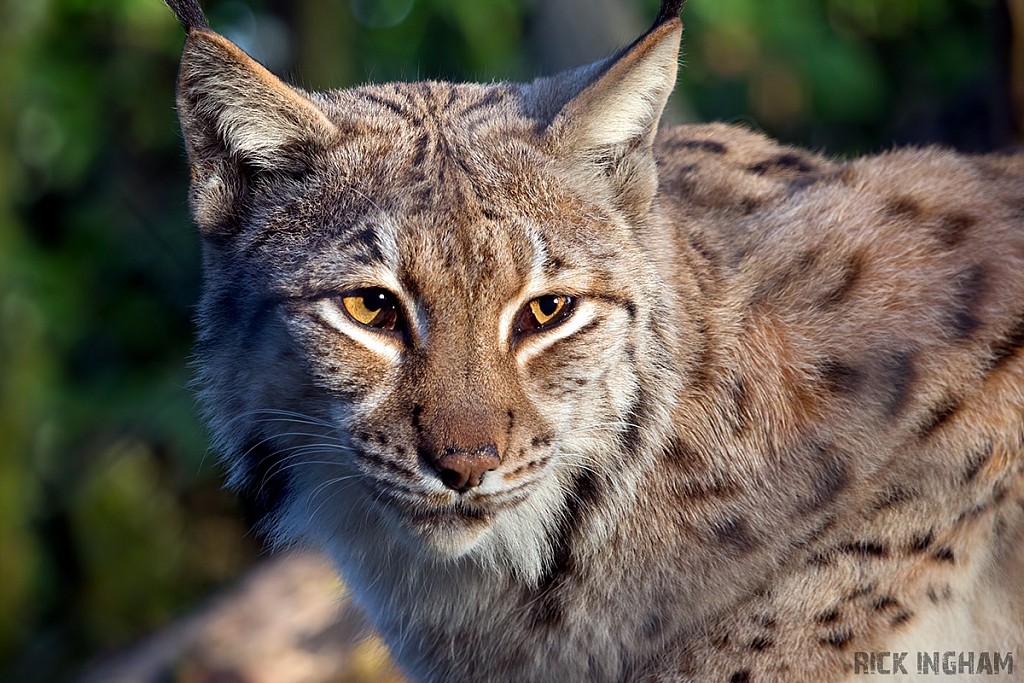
(111, 517)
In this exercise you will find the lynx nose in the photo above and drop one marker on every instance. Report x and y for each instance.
(462, 470)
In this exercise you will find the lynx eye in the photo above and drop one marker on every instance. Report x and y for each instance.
(544, 312)
(372, 308)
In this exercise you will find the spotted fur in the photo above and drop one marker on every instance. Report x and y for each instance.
(783, 423)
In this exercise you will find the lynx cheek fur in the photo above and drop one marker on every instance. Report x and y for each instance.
(569, 401)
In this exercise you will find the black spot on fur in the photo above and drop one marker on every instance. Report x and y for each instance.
(417, 411)
(742, 676)
(734, 532)
(778, 286)
(937, 416)
(761, 643)
(899, 370)
(953, 228)
(421, 145)
(972, 284)
(884, 602)
(694, 482)
(893, 496)
(739, 398)
(865, 548)
(903, 208)
(1008, 345)
(784, 163)
(976, 460)
(900, 619)
(830, 480)
(709, 146)
(838, 639)
(749, 205)
(847, 280)
(840, 377)
(860, 591)
(944, 554)
(921, 542)
(828, 617)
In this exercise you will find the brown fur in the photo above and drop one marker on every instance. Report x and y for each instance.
(783, 424)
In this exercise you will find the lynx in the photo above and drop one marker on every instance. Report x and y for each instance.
(567, 398)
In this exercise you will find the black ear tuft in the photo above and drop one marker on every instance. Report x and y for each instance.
(189, 13)
(669, 10)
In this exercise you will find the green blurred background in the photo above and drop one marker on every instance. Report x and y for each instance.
(112, 521)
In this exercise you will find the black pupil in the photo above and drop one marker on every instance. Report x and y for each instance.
(374, 301)
(548, 305)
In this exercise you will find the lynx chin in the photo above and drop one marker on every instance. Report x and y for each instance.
(570, 398)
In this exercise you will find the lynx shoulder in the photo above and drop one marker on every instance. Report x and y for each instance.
(569, 398)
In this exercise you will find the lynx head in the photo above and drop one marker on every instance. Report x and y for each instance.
(428, 311)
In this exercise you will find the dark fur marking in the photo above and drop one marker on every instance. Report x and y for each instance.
(953, 228)
(734, 532)
(742, 414)
(749, 205)
(761, 643)
(709, 146)
(944, 554)
(937, 416)
(783, 163)
(694, 482)
(828, 617)
(840, 377)
(421, 145)
(859, 591)
(417, 411)
(830, 480)
(1008, 345)
(838, 639)
(977, 460)
(894, 495)
(865, 548)
(972, 284)
(488, 100)
(396, 107)
(776, 286)
(899, 369)
(900, 619)
(741, 676)
(884, 602)
(903, 208)
(851, 274)
(921, 542)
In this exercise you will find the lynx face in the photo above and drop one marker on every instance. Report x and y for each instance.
(454, 276)
(474, 349)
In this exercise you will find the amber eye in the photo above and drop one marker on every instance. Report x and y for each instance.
(545, 311)
(372, 308)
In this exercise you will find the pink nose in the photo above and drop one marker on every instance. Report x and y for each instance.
(462, 470)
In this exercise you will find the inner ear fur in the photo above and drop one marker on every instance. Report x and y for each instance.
(606, 115)
(239, 119)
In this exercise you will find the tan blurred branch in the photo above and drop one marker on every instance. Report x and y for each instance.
(288, 621)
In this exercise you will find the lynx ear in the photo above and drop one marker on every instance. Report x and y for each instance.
(239, 119)
(606, 115)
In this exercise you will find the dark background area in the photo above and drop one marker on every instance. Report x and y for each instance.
(112, 521)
